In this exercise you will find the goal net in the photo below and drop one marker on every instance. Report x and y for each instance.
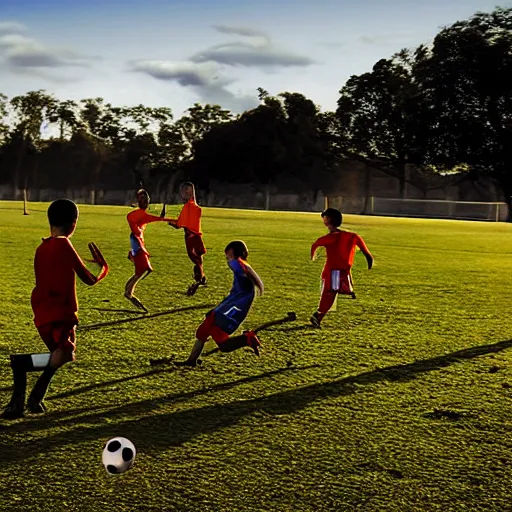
(437, 209)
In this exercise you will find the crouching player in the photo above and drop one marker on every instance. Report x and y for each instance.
(227, 317)
(341, 248)
(55, 307)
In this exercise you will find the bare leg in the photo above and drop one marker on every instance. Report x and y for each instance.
(130, 288)
(194, 355)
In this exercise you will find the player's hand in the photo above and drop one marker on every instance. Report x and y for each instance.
(96, 255)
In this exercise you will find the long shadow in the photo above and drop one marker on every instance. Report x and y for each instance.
(48, 420)
(112, 310)
(152, 434)
(142, 317)
(90, 387)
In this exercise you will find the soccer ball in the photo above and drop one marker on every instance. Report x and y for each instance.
(118, 455)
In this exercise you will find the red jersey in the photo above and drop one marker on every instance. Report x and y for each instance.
(138, 220)
(341, 249)
(54, 296)
(190, 217)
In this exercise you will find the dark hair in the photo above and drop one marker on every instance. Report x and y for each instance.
(142, 194)
(335, 216)
(187, 184)
(62, 213)
(239, 249)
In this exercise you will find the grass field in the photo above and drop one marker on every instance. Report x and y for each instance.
(402, 401)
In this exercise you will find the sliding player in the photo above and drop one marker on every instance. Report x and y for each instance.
(138, 220)
(55, 307)
(227, 317)
(341, 248)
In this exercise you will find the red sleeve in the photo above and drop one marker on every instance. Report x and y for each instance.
(362, 246)
(147, 218)
(323, 241)
(79, 267)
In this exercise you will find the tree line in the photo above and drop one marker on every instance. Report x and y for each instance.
(441, 107)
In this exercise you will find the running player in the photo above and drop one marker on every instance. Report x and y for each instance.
(336, 276)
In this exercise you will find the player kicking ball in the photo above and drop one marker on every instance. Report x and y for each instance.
(190, 220)
(341, 248)
(138, 220)
(55, 307)
(227, 317)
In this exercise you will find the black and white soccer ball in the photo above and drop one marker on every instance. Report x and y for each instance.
(118, 455)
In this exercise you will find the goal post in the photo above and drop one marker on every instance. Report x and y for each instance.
(436, 208)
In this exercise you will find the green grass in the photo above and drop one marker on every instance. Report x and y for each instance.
(400, 403)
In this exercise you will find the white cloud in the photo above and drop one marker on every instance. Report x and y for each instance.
(205, 71)
(11, 27)
(20, 53)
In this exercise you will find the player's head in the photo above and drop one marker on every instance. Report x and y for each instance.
(187, 191)
(63, 216)
(142, 199)
(235, 250)
(332, 217)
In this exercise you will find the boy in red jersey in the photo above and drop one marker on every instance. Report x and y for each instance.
(55, 307)
(190, 220)
(341, 248)
(138, 220)
(226, 318)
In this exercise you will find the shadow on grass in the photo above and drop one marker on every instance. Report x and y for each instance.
(48, 420)
(153, 433)
(90, 327)
(127, 311)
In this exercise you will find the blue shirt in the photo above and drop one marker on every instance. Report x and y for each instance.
(233, 310)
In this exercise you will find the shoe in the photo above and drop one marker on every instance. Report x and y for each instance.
(253, 342)
(13, 411)
(136, 302)
(191, 364)
(315, 320)
(36, 407)
(353, 295)
(192, 289)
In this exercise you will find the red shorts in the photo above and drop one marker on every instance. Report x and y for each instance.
(141, 262)
(338, 281)
(208, 328)
(59, 335)
(194, 243)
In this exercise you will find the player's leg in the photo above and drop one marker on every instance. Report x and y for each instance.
(247, 339)
(142, 269)
(65, 341)
(203, 332)
(195, 251)
(326, 302)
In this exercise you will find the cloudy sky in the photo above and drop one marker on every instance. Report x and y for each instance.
(175, 52)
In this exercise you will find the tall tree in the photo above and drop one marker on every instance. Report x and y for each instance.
(376, 111)
(465, 78)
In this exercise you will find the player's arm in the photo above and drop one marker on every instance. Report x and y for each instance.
(323, 241)
(367, 254)
(255, 278)
(82, 271)
(154, 218)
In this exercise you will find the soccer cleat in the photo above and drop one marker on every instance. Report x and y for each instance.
(253, 341)
(191, 364)
(192, 289)
(13, 411)
(315, 320)
(36, 407)
(137, 303)
(353, 295)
